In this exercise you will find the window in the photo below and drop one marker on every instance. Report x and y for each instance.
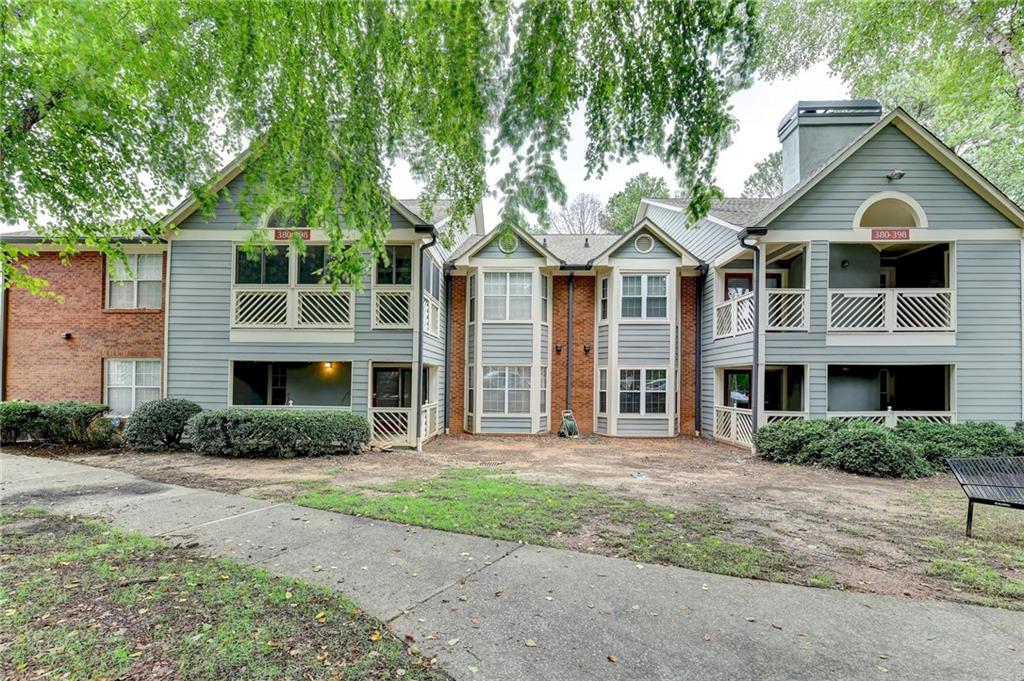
(602, 391)
(472, 298)
(507, 296)
(397, 270)
(265, 266)
(737, 388)
(738, 284)
(544, 284)
(432, 279)
(392, 387)
(543, 390)
(604, 298)
(306, 384)
(470, 389)
(131, 382)
(645, 296)
(137, 283)
(506, 390)
(313, 265)
(643, 391)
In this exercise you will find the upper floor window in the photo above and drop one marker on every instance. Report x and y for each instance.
(137, 283)
(266, 266)
(432, 279)
(313, 265)
(472, 298)
(604, 298)
(397, 270)
(644, 296)
(508, 296)
(545, 284)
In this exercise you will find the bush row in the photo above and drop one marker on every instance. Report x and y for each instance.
(64, 422)
(276, 433)
(162, 424)
(912, 449)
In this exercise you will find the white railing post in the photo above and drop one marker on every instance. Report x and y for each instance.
(890, 418)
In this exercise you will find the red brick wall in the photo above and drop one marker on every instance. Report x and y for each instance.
(456, 391)
(582, 362)
(688, 356)
(39, 365)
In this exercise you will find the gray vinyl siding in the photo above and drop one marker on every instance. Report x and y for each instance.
(505, 424)
(724, 352)
(602, 345)
(543, 424)
(645, 345)
(507, 344)
(492, 250)
(660, 250)
(987, 353)
(833, 202)
(602, 424)
(642, 427)
(199, 349)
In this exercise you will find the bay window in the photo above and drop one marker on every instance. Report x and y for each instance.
(643, 391)
(506, 390)
(644, 296)
(136, 283)
(508, 296)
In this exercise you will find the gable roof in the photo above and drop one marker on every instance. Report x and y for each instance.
(738, 211)
(925, 139)
(477, 242)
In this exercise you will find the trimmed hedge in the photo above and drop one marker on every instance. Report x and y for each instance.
(283, 433)
(159, 423)
(74, 423)
(913, 449)
(17, 419)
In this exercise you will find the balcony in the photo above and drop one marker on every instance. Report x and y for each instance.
(788, 309)
(735, 425)
(285, 307)
(891, 310)
(734, 316)
(891, 418)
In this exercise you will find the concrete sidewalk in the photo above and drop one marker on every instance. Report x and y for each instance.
(475, 602)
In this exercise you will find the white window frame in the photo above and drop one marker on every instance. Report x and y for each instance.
(413, 273)
(644, 392)
(507, 296)
(134, 387)
(431, 302)
(543, 390)
(644, 279)
(132, 277)
(470, 389)
(505, 389)
(545, 294)
(602, 390)
(471, 299)
(603, 288)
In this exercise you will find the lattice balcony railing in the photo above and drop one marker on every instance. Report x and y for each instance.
(892, 309)
(289, 308)
(788, 309)
(392, 309)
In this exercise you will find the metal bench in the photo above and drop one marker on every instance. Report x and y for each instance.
(992, 480)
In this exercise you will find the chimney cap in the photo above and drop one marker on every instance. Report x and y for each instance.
(835, 111)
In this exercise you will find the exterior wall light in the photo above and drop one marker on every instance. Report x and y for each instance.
(586, 347)
(66, 335)
(328, 365)
(558, 348)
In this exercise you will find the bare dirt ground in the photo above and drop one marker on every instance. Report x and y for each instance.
(866, 534)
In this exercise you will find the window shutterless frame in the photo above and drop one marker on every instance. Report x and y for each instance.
(641, 290)
(498, 385)
(503, 288)
(144, 271)
(647, 387)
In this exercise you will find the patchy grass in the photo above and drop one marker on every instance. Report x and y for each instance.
(822, 581)
(486, 503)
(81, 600)
(980, 568)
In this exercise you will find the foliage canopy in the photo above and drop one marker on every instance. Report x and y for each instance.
(111, 111)
(622, 205)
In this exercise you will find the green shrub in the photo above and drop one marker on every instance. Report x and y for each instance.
(276, 433)
(17, 418)
(159, 423)
(68, 421)
(935, 442)
(1018, 428)
(866, 448)
(796, 441)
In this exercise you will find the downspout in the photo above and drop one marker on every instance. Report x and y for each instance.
(699, 333)
(419, 349)
(755, 394)
(447, 343)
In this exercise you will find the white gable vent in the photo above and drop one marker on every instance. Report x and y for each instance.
(644, 243)
(508, 243)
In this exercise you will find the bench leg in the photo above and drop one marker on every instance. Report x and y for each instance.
(970, 516)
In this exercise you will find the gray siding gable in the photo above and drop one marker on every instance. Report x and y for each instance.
(947, 201)
(493, 251)
(628, 251)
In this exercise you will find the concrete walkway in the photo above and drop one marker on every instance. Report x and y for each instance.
(474, 603)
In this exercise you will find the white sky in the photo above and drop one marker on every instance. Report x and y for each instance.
(758, 111)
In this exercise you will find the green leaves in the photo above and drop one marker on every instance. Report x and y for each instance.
(112, 112)
(622, 205)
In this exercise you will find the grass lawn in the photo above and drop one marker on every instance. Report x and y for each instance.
(482, 502)
(81, 600)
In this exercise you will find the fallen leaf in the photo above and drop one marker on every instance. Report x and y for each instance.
(375, 636)
(612, 658)
(453, 642)
(707, 637)
(318, 568)
(530, 643)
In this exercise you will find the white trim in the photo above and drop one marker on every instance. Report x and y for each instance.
(901, 340)
(686, 259)
(920, 217)
(133, 278)
(650, 241)
(667, 414)
(513, 247)
(863, 235)
(134, 385)
(534, 396)
(644, 276)
(167, 323)
(508, 295)
(332, 336)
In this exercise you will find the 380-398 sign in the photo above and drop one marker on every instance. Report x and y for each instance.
(890, 234)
